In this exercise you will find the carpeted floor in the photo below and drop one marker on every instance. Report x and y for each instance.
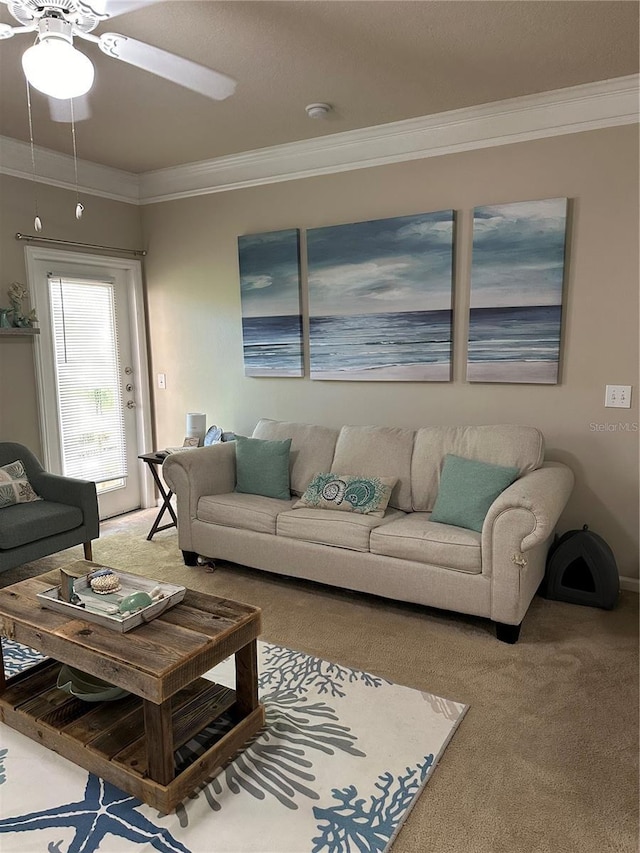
(547, 758)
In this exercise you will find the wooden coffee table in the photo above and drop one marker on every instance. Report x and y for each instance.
(131, 742)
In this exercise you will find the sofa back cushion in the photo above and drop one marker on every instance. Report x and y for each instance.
(312, 448)
(521, 447)
(371, 451)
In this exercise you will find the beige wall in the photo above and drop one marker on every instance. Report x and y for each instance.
(105, 222)
(195, 320)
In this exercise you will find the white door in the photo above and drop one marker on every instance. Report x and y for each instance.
(92, 372)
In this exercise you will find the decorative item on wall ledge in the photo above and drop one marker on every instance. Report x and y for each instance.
(380, 299)
(271, 308)
(517, 278)
(14, 317)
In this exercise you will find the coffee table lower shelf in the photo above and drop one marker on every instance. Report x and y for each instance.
(109, 738)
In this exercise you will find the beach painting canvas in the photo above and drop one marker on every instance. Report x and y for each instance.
(271, 308)
(517, 275)
(380, 299)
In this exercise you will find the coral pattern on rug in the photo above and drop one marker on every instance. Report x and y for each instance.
(355, 824)
(342, 759)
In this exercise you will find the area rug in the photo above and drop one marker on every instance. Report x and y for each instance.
(342, 759)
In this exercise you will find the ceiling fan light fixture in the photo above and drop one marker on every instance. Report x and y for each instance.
(55, 68)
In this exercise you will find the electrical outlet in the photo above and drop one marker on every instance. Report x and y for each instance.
(162, 380)
(617, 397)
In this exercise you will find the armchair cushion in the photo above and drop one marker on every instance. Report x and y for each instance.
(24, 523)
(15, 487)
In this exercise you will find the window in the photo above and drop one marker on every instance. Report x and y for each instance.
(87, 369)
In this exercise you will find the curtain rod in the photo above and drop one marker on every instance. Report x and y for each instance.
(30, 237)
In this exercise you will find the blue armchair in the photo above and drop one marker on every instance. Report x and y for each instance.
(67, 515)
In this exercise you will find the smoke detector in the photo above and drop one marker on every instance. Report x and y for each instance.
(318, 110)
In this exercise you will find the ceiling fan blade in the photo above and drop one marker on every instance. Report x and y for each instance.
(184, 72)
(112, 8)
(60, 111)
(7, 31)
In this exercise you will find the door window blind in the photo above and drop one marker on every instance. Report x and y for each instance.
(90, 400)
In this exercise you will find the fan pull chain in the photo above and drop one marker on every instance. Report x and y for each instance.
(37, 222)
(79, 204)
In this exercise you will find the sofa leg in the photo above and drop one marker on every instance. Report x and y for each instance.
(507, 633)
(190, 558)
(88, 553)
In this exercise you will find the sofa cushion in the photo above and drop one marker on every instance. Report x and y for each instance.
(377, 452)
(248, 512)
(325, 527)
(521, 447)
(467, 490)
(262, 467)
(312, 448)
(415, 537)
(27, 522)
(346, 493)
(15, 487)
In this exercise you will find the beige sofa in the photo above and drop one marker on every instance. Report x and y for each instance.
(402, 555)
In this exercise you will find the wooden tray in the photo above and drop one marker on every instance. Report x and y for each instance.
(173, 594)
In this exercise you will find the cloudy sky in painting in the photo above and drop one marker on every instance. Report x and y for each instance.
(518, 254)
(399, 264)
(269, 274)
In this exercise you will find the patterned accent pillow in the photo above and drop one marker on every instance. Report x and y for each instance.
(349, 493)
(15, 487)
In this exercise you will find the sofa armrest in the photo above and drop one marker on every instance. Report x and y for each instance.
(538, 498)
(69, 490)
(194, 473)
(523, 518)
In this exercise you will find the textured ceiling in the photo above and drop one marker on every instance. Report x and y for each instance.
(374, 61)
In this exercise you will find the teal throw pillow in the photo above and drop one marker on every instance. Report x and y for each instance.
(467, 490)
(262, 467)
(366, 495)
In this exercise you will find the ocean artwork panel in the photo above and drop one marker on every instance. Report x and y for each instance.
(517, 279)
(269, 266)
(380, 299)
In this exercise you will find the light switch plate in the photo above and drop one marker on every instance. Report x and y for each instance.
(617, 397)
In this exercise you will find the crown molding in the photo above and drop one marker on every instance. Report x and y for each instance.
(587, 107)
(57, 170)
(591, 106)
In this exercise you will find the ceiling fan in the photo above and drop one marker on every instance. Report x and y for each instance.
(56, 68)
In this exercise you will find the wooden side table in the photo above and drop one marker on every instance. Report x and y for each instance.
(132, 742)
(153, 460)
